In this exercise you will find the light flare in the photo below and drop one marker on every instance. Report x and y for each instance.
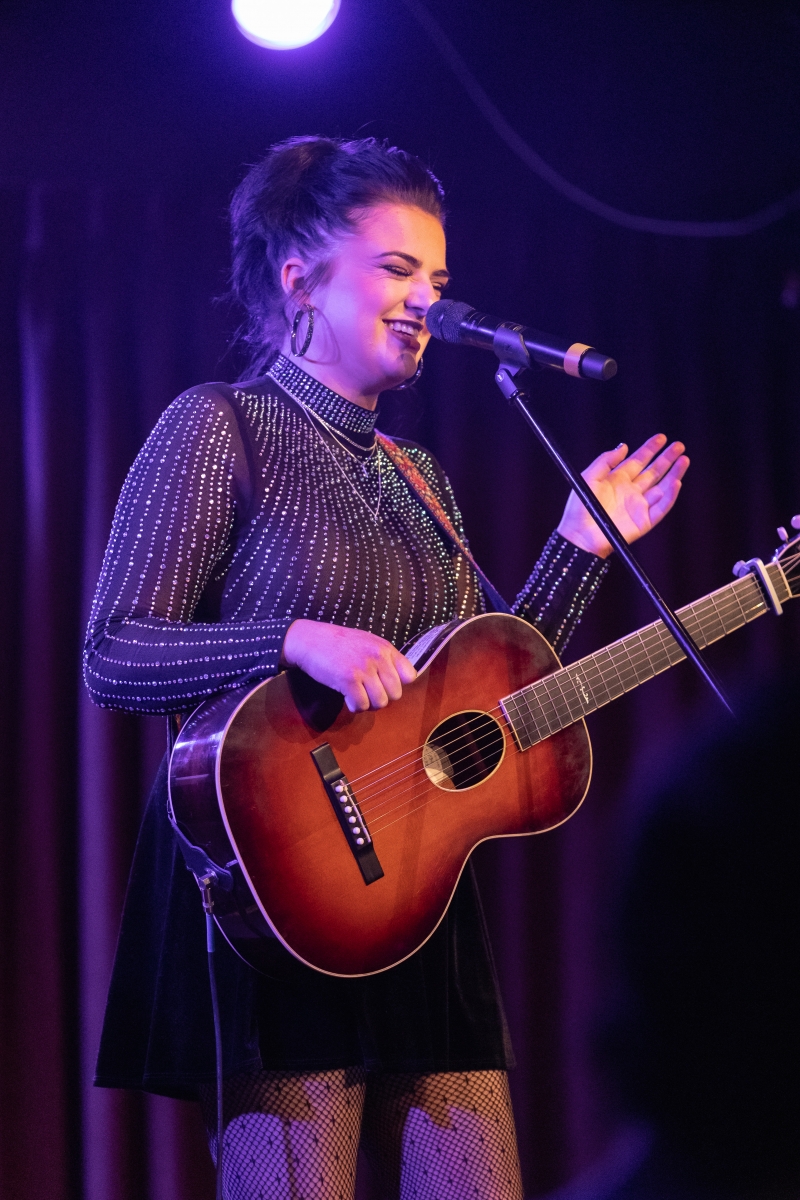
(283, 24)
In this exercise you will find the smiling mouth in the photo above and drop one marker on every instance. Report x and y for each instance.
(411, 329)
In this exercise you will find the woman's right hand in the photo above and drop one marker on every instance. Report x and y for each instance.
(365, 668)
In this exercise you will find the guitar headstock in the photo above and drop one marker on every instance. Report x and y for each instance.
(788, 556)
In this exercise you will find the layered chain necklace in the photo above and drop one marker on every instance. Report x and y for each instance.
(340, 438)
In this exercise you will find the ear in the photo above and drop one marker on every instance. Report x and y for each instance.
(293, 280)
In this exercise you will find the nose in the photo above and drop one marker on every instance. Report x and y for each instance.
(421, 296)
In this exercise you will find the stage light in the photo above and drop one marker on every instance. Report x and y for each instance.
(283, 24)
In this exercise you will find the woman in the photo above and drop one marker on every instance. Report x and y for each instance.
(261, 526)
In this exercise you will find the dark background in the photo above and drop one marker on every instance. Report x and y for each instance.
(123, 129)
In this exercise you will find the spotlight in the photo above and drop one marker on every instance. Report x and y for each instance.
(283, 24)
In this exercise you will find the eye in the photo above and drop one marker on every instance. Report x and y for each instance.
(393, 269)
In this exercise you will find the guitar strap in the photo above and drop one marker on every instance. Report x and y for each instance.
(431, 502)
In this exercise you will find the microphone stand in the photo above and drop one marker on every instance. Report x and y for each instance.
(514, 358)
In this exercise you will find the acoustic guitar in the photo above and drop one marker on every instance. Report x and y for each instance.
(342, 835)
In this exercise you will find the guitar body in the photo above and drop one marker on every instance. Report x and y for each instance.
(343, 836)
(430, 786)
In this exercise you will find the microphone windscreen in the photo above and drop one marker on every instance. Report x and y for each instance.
(444, 319)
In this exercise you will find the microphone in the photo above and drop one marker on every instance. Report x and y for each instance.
(452, 321)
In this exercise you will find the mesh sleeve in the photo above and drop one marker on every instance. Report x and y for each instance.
(560, 588)
(172, 528)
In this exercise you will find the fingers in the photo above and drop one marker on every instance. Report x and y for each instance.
(605, 463)
(645, 466)
(661, 466)
(377, 678)
(663, 495)
(365, 668)
(631, 468)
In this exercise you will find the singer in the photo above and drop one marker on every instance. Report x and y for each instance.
(263, 525)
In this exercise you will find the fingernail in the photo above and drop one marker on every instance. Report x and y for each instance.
(619, 447)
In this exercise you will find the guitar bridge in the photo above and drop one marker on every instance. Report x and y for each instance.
(348, 813)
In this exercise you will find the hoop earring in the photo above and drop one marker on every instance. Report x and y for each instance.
(409, 383)
(309, 311)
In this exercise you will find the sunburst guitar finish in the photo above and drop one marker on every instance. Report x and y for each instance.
(432, 775)
(344, 835)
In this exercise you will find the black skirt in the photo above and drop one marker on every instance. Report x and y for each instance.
(440, 1010)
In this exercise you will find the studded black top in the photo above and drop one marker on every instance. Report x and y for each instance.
(251, 506)
(248, 507)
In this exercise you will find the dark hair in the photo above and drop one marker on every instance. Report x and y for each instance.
(304, 194)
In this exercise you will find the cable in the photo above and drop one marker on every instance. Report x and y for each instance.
(517, 144)
(208, 907)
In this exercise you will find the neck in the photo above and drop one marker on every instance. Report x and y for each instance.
(337, 378)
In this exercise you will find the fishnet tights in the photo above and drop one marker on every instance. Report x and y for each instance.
(294, 1135)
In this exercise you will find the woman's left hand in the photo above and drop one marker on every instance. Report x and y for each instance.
(636, 490)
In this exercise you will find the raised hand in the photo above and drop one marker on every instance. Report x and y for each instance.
(365, 668)
(637, 491)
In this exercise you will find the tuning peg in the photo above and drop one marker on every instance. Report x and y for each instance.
(782, 534)
(795, 522)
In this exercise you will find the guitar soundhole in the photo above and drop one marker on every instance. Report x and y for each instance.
(463, 751)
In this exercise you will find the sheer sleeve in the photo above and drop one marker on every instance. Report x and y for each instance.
(559, 590)
(172, 533)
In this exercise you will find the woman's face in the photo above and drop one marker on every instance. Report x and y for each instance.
(369, 321)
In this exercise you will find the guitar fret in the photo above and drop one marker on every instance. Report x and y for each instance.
(537, 715)
(663, 647)
(560, 699)
(727, 626)
(589, 668)
(616, 687)
(582, 688)
(522, 722)
(622, 654)
(548, 707)
(555, 683)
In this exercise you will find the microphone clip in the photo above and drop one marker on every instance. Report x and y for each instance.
(506, 379)
(509, 346)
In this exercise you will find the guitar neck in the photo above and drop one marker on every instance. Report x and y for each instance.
(539, 710)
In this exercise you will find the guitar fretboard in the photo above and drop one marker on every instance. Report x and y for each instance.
(539, 710)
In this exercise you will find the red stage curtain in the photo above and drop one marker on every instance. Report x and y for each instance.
(106, 300)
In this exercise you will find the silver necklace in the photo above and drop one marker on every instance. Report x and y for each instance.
(373, 454)
(337, 435)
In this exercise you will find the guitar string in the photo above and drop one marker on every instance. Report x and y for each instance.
(468, 780)
(761, 605)
(381, 828)
(367, 804)
(650, 634)
(646, 639)
(756, 610)
(477, 744)
(703, 625)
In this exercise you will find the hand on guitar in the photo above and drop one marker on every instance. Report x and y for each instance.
(366, 669)
(636, 490)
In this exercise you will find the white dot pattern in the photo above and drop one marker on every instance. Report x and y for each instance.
(240, 515)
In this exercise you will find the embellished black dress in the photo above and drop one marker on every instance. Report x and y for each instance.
(249, 507)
